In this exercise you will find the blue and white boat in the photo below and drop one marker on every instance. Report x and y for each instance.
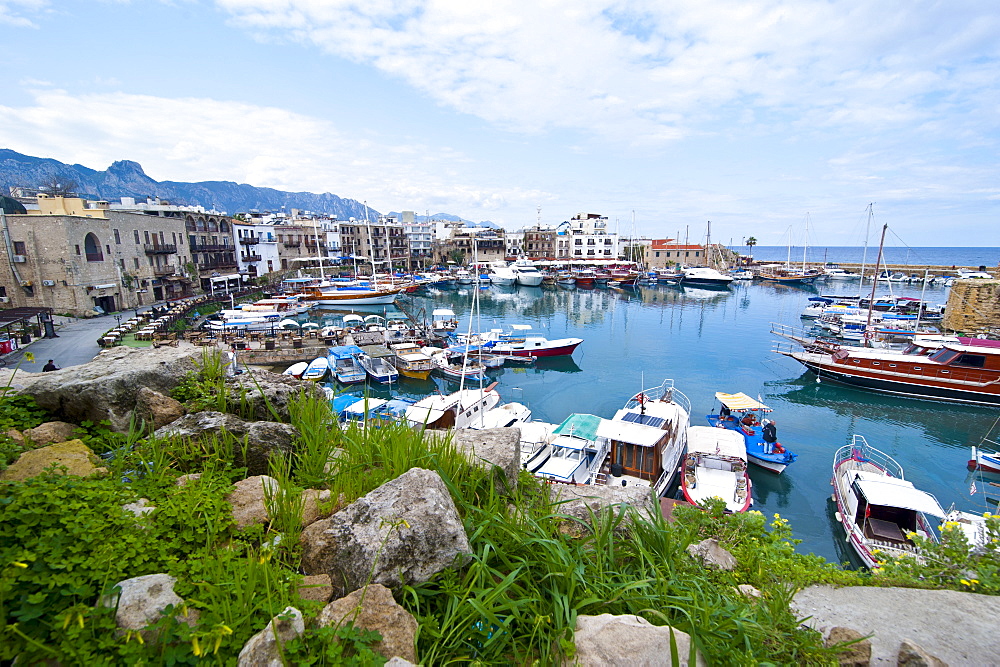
(344, 364)
(378, 368)
(745, 415)
(317, 369)
(370, 410)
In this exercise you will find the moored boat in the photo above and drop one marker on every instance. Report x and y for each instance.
(526, 274)
(411, 362)
(317, 369)
(878, 509)
(703, 275)
(296, 369)
(536, 346)
(744, 415)
(378, 368)
(459, 409)
(444, 320)
(344, 364)
(716, 467)
(985, 461)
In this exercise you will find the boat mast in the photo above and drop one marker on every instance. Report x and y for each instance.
(805, 244)
(864, 253)
(871, 301)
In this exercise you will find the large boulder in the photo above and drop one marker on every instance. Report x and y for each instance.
(247, 500)
(108, 387)
(580, 502)
(627, 640)
(262, 438)
(374, 608)
(403, 532)
(264, 648)
(954, 627)
(498, 448)
(76, 457)
(712, 555)
(267, 395)
(142, 601)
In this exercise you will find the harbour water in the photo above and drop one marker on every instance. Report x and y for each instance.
(718, 340)
(988, 257)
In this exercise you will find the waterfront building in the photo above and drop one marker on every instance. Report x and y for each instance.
(585, 237)
(668, 252)
(419, 239)
(381, 242)
(72, 254)
(470, 244)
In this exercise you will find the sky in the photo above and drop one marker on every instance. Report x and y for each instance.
(766, 118)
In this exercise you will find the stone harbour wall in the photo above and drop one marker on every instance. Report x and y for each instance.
(973, 307)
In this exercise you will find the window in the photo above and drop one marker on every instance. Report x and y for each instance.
(92, 248)
(162, 241)
(973, 360)
(147, 236)
(657, 253)
(77, 250)
(19, 248)
(136, 261)
(118, 238)
(136, 233)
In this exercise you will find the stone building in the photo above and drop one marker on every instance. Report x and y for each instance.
(973, 307)
(381, 243)
(73, 256)
(668, 252)
(468, 245)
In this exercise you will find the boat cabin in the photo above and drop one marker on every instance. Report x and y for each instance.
(889, 509)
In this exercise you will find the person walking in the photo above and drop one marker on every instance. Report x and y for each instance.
(51, 366)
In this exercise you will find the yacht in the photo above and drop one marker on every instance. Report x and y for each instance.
(501, 274)
(526, 274)
(703, 275)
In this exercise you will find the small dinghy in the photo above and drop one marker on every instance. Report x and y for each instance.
(296, 369)
(317, 369)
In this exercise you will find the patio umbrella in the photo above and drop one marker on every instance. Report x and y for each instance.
(310, 325)
(288, 324)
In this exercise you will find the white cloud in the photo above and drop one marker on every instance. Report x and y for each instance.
(203, 139)
(16, 12)
(652, 70)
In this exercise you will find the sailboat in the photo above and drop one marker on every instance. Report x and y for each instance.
(789, 275)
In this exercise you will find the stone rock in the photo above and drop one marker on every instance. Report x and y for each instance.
(144, 600)
(399, 662)
(108, 387)
(333, 461)
(263, 649)
(374, 608)
(263, 392)
(956, 628)
(712, 555)
(263, 438)
(16, 436)
(580, 501)
(855, 655)
(316, 587)
(77, 457)
(50, 433)
(247, 500)
(627, 640)
(911, 655)
(140, 507)
(748, 591)
(156, 410)
(403, 532)
(315, 505)
(500, 447)
(184, 480)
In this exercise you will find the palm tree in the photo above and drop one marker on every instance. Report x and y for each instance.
(751, 242)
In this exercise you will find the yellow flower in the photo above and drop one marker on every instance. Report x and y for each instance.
(195, 646)
(18, 563)
(30, 357)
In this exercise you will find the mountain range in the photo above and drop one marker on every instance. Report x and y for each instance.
(125, 178)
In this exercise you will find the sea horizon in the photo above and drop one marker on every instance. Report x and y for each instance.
(924, 255)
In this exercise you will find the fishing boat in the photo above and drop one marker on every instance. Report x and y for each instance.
(350, 294)
(378, 368)
(584, 277)
(296, 369)
(456, 368)
(506, 415)
(985, 461)
(526, 274)
(703, 275)
(370, 411)
(741, 274)
(534, 346)
(626, 277)
(463, 277)
(744, 415)
(565, 278)
(344, 364)
(317, 369)
(877, 507)
(716, 467)
(411, 362)
(443, 320)
(459, 409)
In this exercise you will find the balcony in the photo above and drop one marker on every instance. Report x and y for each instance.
(201, 247)
(292, 244)
(251, 258)
(249, 240)
(160, 271)
(218, 264)
(160, 248)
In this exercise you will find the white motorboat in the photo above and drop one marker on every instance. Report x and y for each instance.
(444, 319)
(378, 368)
(535, 437)
(504, 416)
(463, 277)
(703, 275)
(575, 453)
(501, 274)
(317, 369)
(459, 409)
(716, 467)
(344, 364)
(878, 509)
(839, 274)
(526, 274)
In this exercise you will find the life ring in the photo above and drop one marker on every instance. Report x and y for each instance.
(778, 449)
(642, 398)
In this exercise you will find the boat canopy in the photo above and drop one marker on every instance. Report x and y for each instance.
(740, 401)
(579, 425)
(443, 312)
(894, 492)
(365, 405)
(716, 441)
(345, 351)
(629, 433)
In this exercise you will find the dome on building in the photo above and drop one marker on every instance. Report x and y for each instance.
(11, 206)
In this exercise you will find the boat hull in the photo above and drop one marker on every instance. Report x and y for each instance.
(554, 351)
(984, 461)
